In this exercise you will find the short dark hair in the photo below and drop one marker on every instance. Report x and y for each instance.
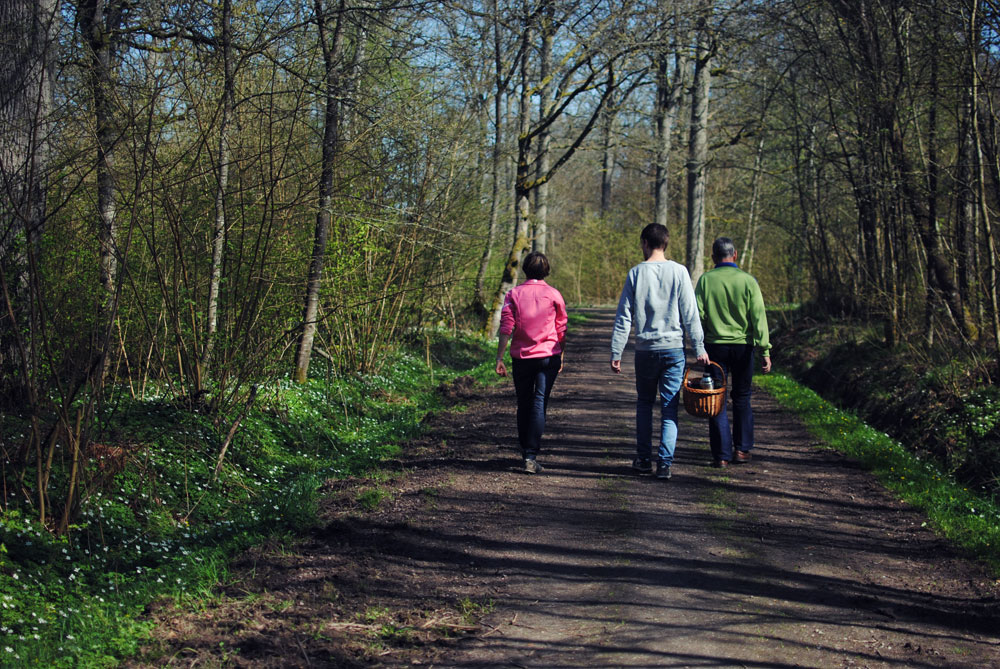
(723, 247)
(655, 235)
(535, 265)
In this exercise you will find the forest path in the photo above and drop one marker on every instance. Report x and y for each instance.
(798, 559)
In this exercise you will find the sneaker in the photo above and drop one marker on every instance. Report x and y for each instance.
(532, 467)
(642, 465)
(662, 471)
(739, 457)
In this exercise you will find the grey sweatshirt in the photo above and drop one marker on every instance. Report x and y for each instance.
(658, 296)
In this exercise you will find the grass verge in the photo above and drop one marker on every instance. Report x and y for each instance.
(966, 517)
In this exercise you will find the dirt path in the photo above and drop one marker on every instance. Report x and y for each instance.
(796, 560)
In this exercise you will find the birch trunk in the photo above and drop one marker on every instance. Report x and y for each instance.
(749, 242)
(332, 55)
(222, 184)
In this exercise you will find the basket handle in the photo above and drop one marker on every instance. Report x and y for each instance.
(688, 371)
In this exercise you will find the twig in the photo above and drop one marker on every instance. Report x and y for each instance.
(492, 630)
(352, 626)
(304, 654)
(232, 431)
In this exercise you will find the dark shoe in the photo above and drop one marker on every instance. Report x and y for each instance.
(532, 467)
(742, 456)
(642, 465)
(720, 464)
(662, 471)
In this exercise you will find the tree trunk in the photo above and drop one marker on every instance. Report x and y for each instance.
(496, 165)
(548, 32)
(669, 96)
(987, 232)
(99, 24)
(932, 169)
(980, 173)
(28, 51)
(607, 158)
(332, 55)
(943, 276)
(966, 206)
(522, 194)
(749, 242)
(222, 183)
(698, 155)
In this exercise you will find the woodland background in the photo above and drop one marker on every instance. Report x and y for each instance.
(201, 202)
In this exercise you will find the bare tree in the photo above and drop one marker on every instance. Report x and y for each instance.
(585, 69)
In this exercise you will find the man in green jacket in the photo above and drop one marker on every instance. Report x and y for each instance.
(732, 316)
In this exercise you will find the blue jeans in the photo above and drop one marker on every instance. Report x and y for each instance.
(533, 379)
(658, 375)
(737, 360)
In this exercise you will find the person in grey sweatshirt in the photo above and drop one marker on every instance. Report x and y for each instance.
(659, 299)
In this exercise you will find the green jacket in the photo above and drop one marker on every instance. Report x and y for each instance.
(732, 308)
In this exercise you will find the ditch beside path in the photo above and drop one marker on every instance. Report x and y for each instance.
(797, 559)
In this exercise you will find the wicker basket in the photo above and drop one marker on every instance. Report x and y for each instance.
(704, 402)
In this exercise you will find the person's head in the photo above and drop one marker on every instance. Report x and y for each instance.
(723, 249)
(655, 237)
(535, 265)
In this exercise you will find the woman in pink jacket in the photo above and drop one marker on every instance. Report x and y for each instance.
(533, 320)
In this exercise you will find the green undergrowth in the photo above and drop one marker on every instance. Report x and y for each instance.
(937, 399)
(155, 523)
(968, 517)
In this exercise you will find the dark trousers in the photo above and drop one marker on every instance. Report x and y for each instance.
(533, 379)
(737, 360)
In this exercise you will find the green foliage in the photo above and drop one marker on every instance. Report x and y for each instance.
(472, 611)
(156, 522)
(590, 259)
(373, 614)
(970, 519)
(372, 498)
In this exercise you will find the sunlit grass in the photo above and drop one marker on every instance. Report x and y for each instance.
(969, 518)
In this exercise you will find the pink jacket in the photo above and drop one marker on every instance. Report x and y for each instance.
(535, 314)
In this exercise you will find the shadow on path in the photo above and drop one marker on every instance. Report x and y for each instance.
(799, 559)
